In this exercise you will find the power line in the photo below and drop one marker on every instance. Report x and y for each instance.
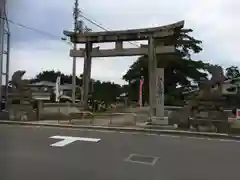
(35, 30)
(96, 23)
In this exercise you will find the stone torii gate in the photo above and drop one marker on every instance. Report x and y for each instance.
(156, 75)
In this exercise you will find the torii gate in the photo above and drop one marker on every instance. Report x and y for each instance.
(156, 75)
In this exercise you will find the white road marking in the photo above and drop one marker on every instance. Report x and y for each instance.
(65, 140)
(172, 136)
(154, 159)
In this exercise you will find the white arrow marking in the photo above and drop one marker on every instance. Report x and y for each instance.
(65, 140)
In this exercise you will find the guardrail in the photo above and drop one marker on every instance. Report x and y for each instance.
(82, 115)
(49, 104)
(179, 107)
(110, 118)
(134, 115)
(107, 118)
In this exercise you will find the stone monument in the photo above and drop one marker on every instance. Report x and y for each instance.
(205, 108)
(20, 103)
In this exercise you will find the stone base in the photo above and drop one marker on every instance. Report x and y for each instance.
(22, 116)
(159, 121)
(62, 112)
(4, 115)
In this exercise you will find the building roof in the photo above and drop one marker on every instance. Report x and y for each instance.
(64, 86)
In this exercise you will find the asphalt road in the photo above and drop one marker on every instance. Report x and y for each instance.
(25, 153)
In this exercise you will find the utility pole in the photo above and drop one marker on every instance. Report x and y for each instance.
(1, 46)
(75, 15)
(78, 28)
(4, 51)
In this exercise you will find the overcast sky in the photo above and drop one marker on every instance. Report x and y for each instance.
(215, 22)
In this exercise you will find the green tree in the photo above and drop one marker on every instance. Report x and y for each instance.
(106, 91)
(232, 72)
(179, 68)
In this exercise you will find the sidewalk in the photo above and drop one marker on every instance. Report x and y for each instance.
(95, 122)
(131, 129)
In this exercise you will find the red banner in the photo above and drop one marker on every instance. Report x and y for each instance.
(140, 92)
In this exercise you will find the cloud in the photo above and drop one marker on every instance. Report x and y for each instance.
(215, 22)
(42, 55)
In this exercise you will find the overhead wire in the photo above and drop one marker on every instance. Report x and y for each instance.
(83, 15)
(36, 30)
(101, 26)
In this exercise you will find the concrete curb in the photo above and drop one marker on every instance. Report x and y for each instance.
(128, 129)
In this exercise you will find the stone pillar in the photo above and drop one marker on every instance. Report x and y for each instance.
(152, 64)
(39, 109)
(87, 72)
(160, 94)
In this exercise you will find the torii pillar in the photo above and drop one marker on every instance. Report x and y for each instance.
(156, 85)
(151, 71)
(87, 73)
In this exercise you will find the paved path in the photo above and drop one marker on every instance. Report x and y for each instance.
(29, 153)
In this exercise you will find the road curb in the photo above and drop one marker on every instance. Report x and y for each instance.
(128, 129)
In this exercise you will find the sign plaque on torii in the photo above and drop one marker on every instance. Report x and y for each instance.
(160, 33)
